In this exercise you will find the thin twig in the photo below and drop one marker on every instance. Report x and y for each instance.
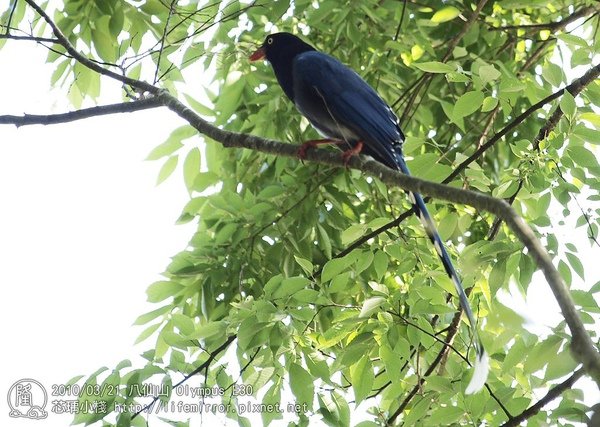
(552, 394)
(29, 38)
(162, 40)
(10, 17)
(84, 113)
(196, 371)
(583, 12)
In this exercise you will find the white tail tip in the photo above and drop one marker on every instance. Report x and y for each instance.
(480, 373)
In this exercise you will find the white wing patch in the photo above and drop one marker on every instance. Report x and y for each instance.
(480, 374)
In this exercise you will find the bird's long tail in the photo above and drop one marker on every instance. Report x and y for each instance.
(481, 368)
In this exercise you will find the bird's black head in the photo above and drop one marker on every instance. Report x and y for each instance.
(280, 47)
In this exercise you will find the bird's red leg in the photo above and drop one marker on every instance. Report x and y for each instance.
(351, 152)
(313, 143)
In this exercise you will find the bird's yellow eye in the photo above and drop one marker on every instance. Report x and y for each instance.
(269, 41)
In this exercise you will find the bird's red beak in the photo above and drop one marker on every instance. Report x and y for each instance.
(259, 54)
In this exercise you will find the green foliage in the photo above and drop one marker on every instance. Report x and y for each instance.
(331, 332)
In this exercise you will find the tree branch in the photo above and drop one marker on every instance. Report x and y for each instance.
(581, 13)
(84, 113)
(552, 394)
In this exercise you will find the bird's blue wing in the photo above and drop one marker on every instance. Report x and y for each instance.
(350, 102)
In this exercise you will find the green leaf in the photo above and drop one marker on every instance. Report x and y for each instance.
(334, 409)
(361, 374)
(191, 168)
(352, 233)
(445, 14)
(332, 268)
(593, 118)
(203, 180)
(145, 318)
(426, 166)
(230, 97)
(272, 284)
(208, 330)
(183, 323)
(103, 42)
(199, 107)
(339, 283)
(488, 73)
(553, 74)
(167, 169)
(541, 354)
(306, 265)
(447, 415)
(153, 7)
(572, 40)
(165, 149)
(567, 104)
(583, 157)
(489, 103)
(447, 226)
(591, 136)
(83, 77)
(371, 305)
(115, 24)
(417, 411)
(290, 286)
(412, 144)
(324, 241)
(302, 385)
(565, 272)
(393, 359)
(161, 290)
(380, 262)
(576, 264)
(59, 71)
(147, 332)
(468, 103)
(434, 67)
(560, 365)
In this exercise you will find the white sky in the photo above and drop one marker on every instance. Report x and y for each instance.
(84, 231)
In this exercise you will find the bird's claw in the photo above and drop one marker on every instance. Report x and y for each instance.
(303, 149)
(347, 155)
